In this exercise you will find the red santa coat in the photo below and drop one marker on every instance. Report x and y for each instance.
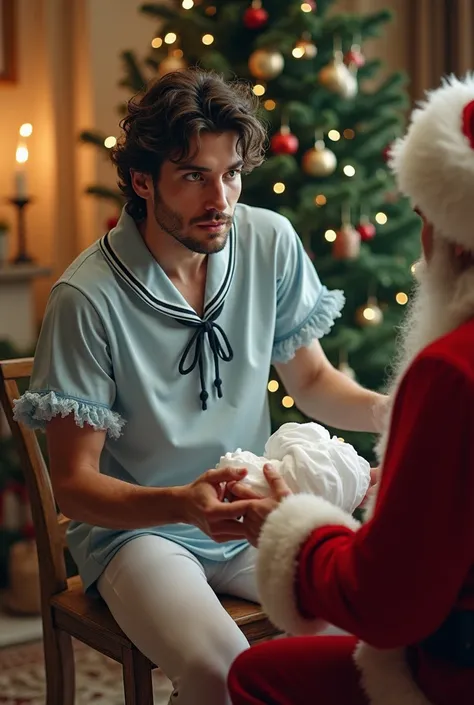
(394, 580)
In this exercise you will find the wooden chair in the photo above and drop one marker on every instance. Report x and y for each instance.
(66, 611)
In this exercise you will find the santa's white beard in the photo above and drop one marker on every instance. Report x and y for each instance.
(442, 301)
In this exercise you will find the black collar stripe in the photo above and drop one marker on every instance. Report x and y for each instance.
(178, 312)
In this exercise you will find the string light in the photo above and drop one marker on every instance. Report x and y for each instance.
(334, 135)
(258, 89)
(330, 235)
(413, 268)
(320, 200)
(211, 11)
(349, 170)
(26, 130)
(269, 105)
(381, 218)
(110, 142)
(349, 134)
(279, 187)
(157, 42)
(287, 402)
(273, 385)
(298, 52)
(401, 298)
(187, 4)
(207, 39)
(178, 53)
(368, 313)
(306, 7)
(21, 154)
(170, 38)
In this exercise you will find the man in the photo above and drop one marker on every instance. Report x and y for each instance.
(153, 362)
(403, 583)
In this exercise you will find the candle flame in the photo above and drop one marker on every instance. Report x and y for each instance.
(26, 129)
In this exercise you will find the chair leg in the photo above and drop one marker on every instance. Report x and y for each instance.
(137, 681)
(59, 667)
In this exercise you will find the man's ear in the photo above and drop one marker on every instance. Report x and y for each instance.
(142, 184)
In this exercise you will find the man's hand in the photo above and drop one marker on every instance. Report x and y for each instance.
(259, 507)
(203, 505)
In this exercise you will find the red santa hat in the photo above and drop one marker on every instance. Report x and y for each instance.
(434, 162)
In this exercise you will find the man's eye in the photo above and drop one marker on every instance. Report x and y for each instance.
(233, 173)
(194, 176)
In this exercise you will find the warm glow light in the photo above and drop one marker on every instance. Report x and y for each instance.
(110, 142)
(330, 235)
(401, 298)
(156, 42)
(349, 134)
(288, 402)
(349, 170)
(26, 129)
(22, 154)
(279, 187)
(298, 52)
(258, 89)
(211, 11)
(273, 385)
(369, 313)
(381, 218)
(334, 135)
(170, 38)
(413, 267)
(269, 105)
(207, 39)
(320, 200)
(187, 4)
(306, 7)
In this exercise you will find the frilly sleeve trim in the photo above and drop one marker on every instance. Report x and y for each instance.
(318, 324)
(35, 409)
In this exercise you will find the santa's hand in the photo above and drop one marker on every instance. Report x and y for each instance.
(373, 486)
(258, 510)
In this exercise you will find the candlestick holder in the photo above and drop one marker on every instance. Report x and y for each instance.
(22, 256)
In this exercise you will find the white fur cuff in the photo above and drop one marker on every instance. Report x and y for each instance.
(283, 535)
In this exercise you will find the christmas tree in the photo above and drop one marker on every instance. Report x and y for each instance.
(329, 136)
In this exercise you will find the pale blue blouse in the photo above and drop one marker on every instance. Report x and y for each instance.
(121, 349)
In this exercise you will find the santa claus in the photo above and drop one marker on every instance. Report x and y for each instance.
(403, 582)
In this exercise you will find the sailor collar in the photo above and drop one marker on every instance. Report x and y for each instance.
(126, 253)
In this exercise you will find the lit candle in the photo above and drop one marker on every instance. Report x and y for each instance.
(21, 189)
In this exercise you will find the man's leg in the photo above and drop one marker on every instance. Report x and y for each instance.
(235, 577)
(158, 593)
(297, 671)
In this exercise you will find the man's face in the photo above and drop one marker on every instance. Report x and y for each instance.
(194, 202)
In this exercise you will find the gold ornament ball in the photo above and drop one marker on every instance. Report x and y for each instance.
(370, 314)
(337, 78)
(319, 162)
(169, 64)
(347, 243)
(265, 64)
(309, 49)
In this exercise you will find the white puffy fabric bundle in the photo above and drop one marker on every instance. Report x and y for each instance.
(310, 461)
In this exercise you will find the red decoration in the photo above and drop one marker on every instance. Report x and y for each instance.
(255, 17)
(366, 231)
(111, 222)
(386, 152)
(354, 57)
(312, 4)
(468, 122)
(284, 142)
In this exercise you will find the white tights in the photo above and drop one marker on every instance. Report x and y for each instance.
(164, 599)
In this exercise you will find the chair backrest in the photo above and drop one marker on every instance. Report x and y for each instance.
(49, 525)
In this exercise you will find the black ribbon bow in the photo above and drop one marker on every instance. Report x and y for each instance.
(220, 348)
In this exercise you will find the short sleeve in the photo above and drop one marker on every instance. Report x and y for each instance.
(72, 371)
(306, 309)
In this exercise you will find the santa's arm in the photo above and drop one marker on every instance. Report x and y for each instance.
(395, 579)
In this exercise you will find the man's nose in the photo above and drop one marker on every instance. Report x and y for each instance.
(216, 197)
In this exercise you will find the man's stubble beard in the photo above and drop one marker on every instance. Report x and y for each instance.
(172, 223)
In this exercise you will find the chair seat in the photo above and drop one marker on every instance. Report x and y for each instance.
(90, 620)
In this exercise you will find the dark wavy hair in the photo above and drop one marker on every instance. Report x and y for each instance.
(162, 120)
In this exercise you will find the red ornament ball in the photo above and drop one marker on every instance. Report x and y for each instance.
(111, 222)
(354, 57)
(312, 4)
(284, 143)
(366, 231)
(255, 18)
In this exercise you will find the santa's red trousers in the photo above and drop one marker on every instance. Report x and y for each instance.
(297, 671)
